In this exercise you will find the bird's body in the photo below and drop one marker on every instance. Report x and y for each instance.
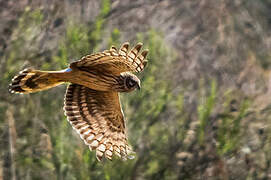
(92, 102)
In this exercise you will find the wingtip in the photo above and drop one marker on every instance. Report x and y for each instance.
(138, 46)
(125, 45)
(145, 63)
(145, 53)
(113, 48)
(99, 155)
(124, 49)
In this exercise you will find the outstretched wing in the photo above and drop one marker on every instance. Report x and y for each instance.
(97, 117)
(114, 61)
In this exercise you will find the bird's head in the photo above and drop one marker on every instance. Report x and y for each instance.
(130, 82)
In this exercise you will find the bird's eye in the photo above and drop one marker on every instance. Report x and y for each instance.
(130, 83)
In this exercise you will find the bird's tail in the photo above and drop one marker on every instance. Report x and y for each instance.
(30, 80)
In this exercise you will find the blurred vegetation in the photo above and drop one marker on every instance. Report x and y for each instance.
(188, 121)
(204, 112)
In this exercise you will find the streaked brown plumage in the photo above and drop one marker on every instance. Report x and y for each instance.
(91, 102)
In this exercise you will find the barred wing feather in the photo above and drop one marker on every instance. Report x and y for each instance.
(98, 119)
(115, 61)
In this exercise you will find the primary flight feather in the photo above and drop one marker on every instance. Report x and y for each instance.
(91, 103)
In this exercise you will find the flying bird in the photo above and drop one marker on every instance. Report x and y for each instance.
(91, 102)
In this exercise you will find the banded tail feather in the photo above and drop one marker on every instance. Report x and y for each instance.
(30, 81)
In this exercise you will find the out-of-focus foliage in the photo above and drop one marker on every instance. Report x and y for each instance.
(204, 108)
(204, 112)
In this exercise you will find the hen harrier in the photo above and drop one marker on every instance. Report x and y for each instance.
(92, 103)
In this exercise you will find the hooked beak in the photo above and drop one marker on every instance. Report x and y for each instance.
(138, 86)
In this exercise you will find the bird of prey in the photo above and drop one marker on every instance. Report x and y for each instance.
(91, 103)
